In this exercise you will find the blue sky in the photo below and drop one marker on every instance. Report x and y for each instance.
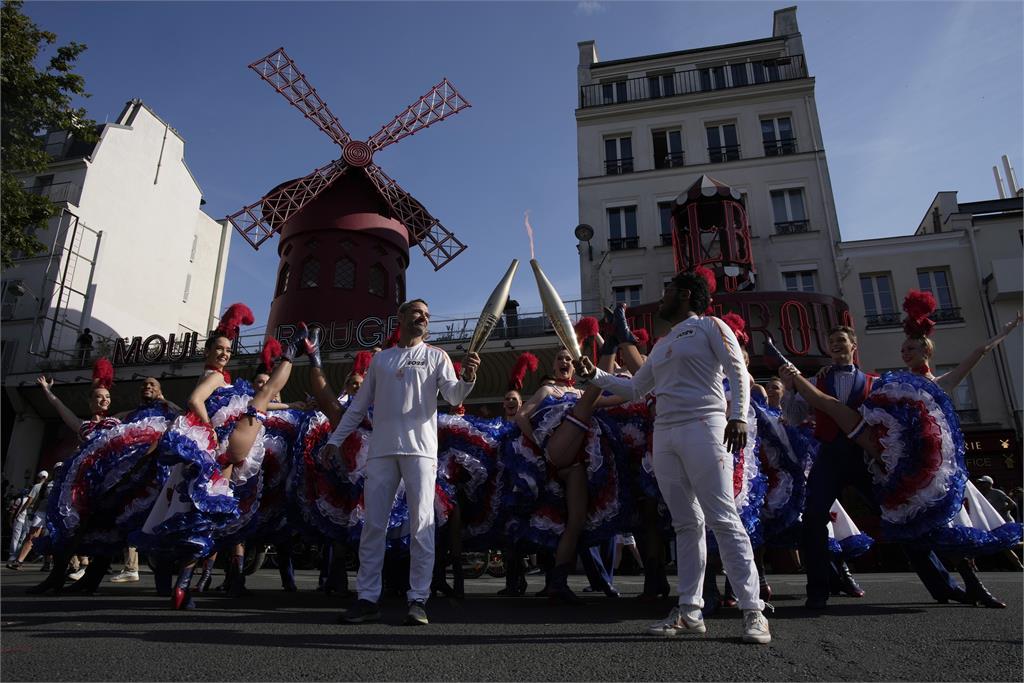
(914, 98)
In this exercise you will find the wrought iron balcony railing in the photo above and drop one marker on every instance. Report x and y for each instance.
(778, 148)
(671, 160)
(792, 227)
(724, 77)
(947, 315)
(58, 192)
(718, 155)
(618, 166)
(889, 319)
(619, 243)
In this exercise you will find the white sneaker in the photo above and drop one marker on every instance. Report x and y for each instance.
(75, 576)
(678, 622)
(125, 577)
(755, 627)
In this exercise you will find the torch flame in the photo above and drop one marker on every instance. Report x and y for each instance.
(529, 232)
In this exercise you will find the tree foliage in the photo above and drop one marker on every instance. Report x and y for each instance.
(32, 101)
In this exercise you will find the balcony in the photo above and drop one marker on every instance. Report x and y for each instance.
(671, 160)
(719, 155)
(779, 148)
(620, 243)
(726, 77)
(618, 166)
(880, 320)
(58, 192)
(792, 227)
(947, 315)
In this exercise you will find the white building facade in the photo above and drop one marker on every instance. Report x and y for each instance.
(131, 253)
(744, 114)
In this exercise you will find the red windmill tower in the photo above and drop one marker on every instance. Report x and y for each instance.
(346, 227)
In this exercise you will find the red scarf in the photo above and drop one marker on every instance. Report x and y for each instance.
(923, 370)
(223, 373)
(571, 382)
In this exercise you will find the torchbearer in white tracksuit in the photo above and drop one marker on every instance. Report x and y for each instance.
(693, 442)
(402, 384)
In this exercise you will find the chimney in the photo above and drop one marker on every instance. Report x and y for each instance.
(588, 52)
(1011, 178)
(999, 182)
(784, 22)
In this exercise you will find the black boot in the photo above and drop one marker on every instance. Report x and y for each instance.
(311, 345)
(286, 570)
(230, 573)
(515, 578)
(976, 590)
(458, 580)
(54, 582)
(559, 590)
(94, 575)
(622, 331)
(841, 580)
(729, 595)
(206, 578)
(237, 588)
(181, 597)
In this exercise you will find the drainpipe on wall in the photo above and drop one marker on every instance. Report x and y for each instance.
(832, 231)
(990, 327)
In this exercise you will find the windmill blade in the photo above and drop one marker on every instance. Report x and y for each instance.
(259, 221)
(440, 102)
(279, 70)
(436, 242)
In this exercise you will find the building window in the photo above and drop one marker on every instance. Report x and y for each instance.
(613, 92)
(399, 290)
(723, 145)
(800, 281)
(879, 307)
(188, 288)
(713, 78)
(10, 299)
(310, 274)
(790, 215)
(344, 273)
(765, 71)
(622, 228)
(665, 223)
(963, 396)
(195, 245)
(937, 281)
(282, 280)
(378, 281)
(668, 148)
(777, 136)
(661, 85)
(629, 295)
(618, 155)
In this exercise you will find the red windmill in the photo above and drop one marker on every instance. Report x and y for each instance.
(347, 226)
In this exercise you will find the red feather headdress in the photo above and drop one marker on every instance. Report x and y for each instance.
(271, 352)
(918, 306)
(738, 326)
(642, 336)
(527, 362)
(586, 327)
(709, 277)
(361, 363)
(102, 374)
(233, 319)
(393, 339)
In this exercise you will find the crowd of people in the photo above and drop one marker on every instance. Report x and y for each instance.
(678, 448)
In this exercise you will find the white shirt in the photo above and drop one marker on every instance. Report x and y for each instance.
(685, 370)
(402, 386)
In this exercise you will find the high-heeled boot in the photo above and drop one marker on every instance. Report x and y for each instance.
(622, 331)
(237, 588)
(94, 575)
(311, 344)
(286, 570)
(975, 588)
(842, 581)
(458, 580)
(559, 590)
(205, 578)
(765, 591)
(181, 597)
(54, 582)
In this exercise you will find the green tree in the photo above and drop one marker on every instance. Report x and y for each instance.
(32, 101)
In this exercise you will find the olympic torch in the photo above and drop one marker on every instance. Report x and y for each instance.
(556, 312)
(492, 310)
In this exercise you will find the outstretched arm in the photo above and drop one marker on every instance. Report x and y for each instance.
(951, 380)
(70, 419)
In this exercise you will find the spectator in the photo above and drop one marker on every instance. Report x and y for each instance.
(84, 347)
(1000, 501)
(35, 512)
(18, 511)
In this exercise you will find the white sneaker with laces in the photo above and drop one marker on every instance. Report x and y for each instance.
(125, 577)
(678, 622)
(755, 627)
(75, 576)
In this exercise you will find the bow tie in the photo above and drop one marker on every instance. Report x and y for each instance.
(844, 368)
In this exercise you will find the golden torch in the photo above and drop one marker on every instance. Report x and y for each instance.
(555, 311)
(492, 310)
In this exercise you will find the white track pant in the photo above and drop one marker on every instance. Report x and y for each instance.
(694, 473)
(382, 477)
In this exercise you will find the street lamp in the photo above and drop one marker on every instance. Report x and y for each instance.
(585, 233)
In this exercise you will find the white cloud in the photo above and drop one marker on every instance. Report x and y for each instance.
(590, 7)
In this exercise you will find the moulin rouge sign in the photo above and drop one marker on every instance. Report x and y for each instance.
(337, 336)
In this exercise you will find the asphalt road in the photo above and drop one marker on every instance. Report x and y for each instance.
(125, 633)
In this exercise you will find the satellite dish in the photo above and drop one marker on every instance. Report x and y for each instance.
(584, 232)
